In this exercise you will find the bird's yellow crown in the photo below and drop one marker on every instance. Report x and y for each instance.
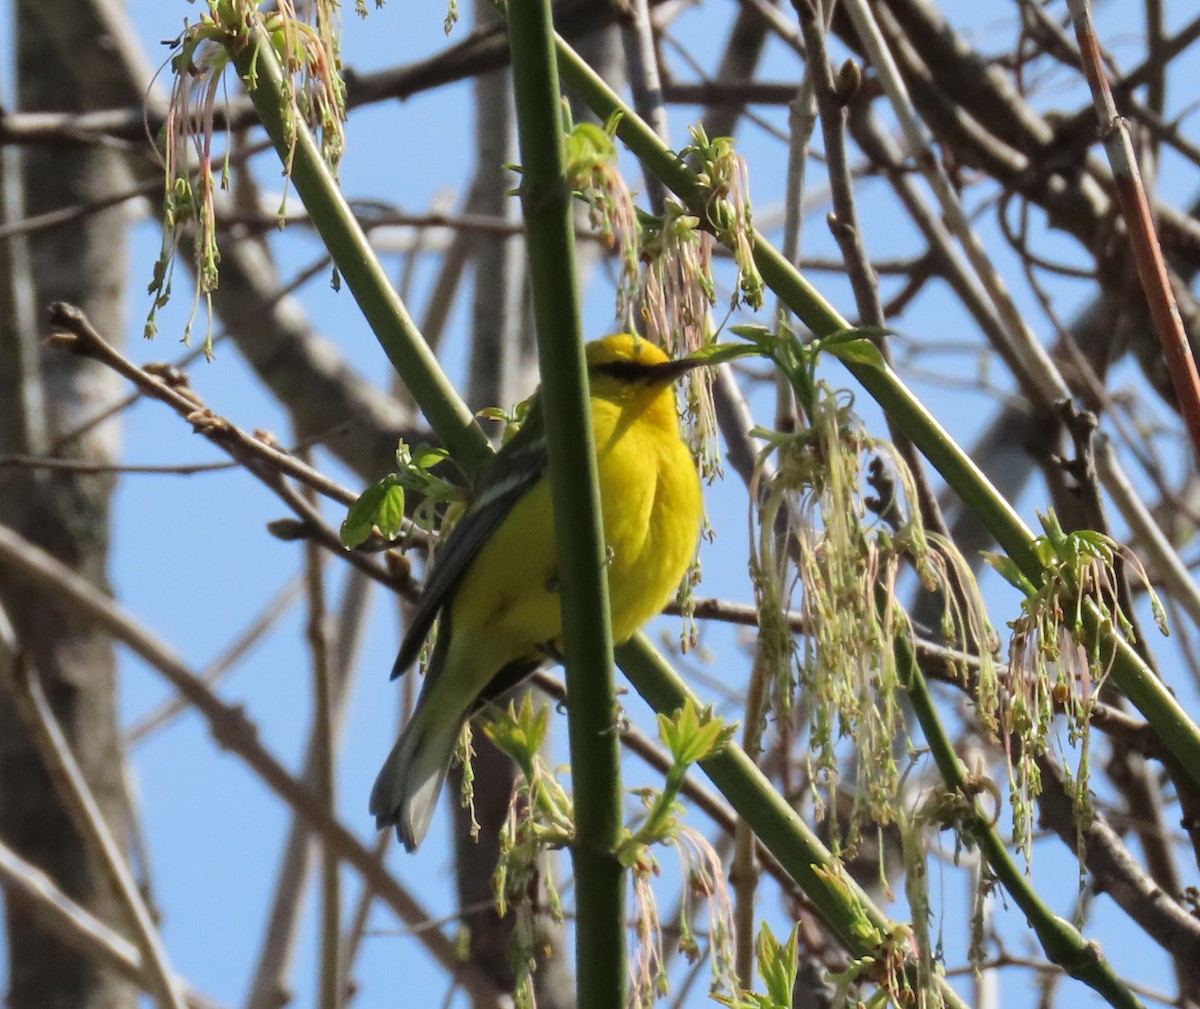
(623, 347)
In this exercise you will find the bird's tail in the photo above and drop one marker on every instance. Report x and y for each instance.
(408, 786)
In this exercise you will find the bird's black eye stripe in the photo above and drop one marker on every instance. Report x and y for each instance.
(626, 371)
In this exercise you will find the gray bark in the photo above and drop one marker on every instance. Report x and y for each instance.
(84, 263)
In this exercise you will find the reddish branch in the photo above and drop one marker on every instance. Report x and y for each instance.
(1135, 209)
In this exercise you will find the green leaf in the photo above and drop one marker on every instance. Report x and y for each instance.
(585, 147)
(426, 456)
(759, 335)
(389, 516)
(362, 515)
(719, 353)
(691, 735)
(858, 350)
(1009, 571)
(778, 965)
(537, 726)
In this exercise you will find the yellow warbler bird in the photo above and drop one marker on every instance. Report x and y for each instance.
(493, 582)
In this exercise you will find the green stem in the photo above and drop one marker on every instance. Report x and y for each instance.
(587, 637)
(1063, 944)
(257, 63)
(1132, 676)
(821, 317)
(862, 928)
(651, 829)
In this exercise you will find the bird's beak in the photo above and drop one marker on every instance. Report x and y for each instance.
(672, 370)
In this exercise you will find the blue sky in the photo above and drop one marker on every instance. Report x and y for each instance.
(193, 561)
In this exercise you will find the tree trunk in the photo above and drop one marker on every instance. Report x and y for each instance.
(46, 394)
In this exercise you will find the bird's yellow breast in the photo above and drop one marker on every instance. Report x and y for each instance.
(651, 504)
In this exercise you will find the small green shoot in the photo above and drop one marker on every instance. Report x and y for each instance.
(541, 818)
(725, 178)
(778, 966)
(521, 734)
(381, 506)
(690, 735)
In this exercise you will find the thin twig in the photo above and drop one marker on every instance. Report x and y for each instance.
(1116, 872)
(83, 467)
(1046, 967)
(85, 812)
(353, 936)
(843, 223)
(483, 49)
(1031, 365)
(744, 870)
(77, 926)
(269, 988)
(71, 330)
(1143, 239)
(641, 61)
(233, 731)
(329, 993)
(262, 459)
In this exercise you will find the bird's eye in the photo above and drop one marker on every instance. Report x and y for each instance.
(625, 371)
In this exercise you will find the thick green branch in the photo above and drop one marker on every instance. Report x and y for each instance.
(861, 927)
(1062, 942)
(353, 256)
(591, 686)
(1134, 678)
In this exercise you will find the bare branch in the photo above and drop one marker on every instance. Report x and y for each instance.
(73, 789)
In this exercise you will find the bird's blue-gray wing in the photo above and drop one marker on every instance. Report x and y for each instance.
(504, 480)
